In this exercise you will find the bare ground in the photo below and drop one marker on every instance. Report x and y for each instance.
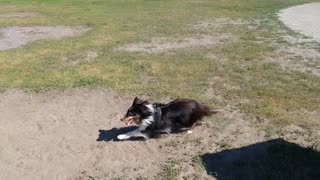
(70, 135)
(55, 134)
(20, 15)
(14, 37)
(158, 45)
(219, 23)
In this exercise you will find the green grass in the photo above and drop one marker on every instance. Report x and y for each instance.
(197, 161)
(170, 171)
(273, 93)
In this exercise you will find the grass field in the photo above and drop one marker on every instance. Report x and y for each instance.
(235, 72)
(273, 93)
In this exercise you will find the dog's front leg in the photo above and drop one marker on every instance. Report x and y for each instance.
(134, 133)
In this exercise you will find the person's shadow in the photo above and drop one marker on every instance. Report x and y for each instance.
(111, 135)
(269, 160)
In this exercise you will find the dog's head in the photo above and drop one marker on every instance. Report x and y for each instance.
(137, 112)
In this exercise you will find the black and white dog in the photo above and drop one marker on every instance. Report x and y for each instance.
(154, 119)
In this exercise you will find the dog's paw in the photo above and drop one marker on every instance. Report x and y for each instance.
(189, 132)
(123, 137)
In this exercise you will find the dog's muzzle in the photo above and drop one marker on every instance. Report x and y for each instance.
(128, 120)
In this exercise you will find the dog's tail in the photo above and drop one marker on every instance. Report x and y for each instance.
(207, 111)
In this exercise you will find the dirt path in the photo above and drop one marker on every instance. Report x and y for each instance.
(303, 18)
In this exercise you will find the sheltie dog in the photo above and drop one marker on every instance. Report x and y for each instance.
(155, 119)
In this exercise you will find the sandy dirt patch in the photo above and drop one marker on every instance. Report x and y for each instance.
(71, 135)
(54, 134)
(86, 57)
(9, 7)
(14, 37)
(303, 18)
(68, 135)
(219, 22)
(158, 45)
(20, 15)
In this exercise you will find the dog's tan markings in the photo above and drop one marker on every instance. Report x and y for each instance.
(128, 120)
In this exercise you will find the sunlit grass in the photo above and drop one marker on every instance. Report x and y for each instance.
(273, 93)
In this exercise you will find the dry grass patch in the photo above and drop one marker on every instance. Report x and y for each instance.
(158, 45)
(296, 53)
(14, 37)
(20, 15)
(220, 23)
(86, 57)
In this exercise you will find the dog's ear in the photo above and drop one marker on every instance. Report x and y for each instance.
(144, 102)
(139, 101)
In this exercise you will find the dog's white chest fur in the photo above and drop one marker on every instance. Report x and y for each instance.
(142, 126)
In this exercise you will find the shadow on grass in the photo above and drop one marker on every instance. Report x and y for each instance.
(111, 135)
(274, 159)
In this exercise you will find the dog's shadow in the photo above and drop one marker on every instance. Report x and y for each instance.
(111, 135)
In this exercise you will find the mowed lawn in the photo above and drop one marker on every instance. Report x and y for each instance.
(233, 73)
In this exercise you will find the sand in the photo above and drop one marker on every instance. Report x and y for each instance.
(71, 135)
